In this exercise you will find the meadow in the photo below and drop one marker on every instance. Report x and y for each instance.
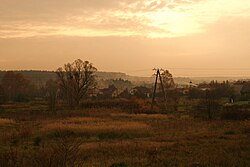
(31, 136)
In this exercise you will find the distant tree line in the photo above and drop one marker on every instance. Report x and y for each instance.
(73, 82)
(76, 81)
(210, 97)
(15, 87)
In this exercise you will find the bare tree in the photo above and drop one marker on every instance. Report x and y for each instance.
(75, 79)
(51, 94)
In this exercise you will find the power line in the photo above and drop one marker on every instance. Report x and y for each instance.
(188, 68)
(189, 72)
(223, 69)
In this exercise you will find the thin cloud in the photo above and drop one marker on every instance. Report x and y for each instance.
(147, 18)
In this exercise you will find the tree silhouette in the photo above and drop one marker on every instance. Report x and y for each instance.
(167, 80)
(15, 86)
(51, 94)
(172, 96)
(75, 79)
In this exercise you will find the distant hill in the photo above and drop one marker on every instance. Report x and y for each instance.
(219, 79)
(40, 77)
(36, 77)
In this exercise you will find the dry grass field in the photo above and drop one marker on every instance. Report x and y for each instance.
(30, 136)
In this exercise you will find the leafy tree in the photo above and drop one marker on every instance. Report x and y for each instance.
(75, 79)
(1, 94)
(210, 100)
(221, 90)
(172, 96)
(195, 93)
(125, 94)
(209, 104)
(167, 80)
(142, 92)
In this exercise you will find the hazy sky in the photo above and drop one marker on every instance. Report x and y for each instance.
(189, 37)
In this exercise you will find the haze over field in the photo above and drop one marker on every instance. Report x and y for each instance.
(189, 37)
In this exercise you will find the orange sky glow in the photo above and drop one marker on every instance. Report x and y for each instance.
(189, 37)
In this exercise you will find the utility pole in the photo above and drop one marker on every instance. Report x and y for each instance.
(158, 74)
(153, 99)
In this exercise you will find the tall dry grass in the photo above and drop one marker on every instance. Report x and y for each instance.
(116, 140)
(90, 124)
(5, 121)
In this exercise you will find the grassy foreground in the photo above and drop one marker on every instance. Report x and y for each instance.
(30, 136)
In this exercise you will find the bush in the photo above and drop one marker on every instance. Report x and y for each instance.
(207, 109)
(67, 152)
(37, 141)
(122, 164)
(64, 152)
(236, 115)
(246, 130)
(20, 98)
(10, 158)
(135, 105)
(61, 133)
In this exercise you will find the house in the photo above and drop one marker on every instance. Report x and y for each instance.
(141, 91)
(125, 94)
(192, 85)
(241, 87)
(184, 91)
(238, 87)
(93, 92)
(109, 92)
(245, 91)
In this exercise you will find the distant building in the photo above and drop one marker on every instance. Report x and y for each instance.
(192, 85)
(93, 92)
(184, 91)
(109, 92)
(242, 88)
(238, 87)
(245, 91)
(141, 91)
(125, 94)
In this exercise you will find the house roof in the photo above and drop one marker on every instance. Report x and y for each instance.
(110, 90)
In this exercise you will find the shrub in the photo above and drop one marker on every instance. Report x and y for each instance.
(37, 141)
(14, 140)
(10, 158)
(67, 152)
(25, 132)
(207, 108)
(235, 115)
(121, 164)
(61, 133)
(142, 105)
(246, 130)
(123, 104)
(230, 132)
(64, 152)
